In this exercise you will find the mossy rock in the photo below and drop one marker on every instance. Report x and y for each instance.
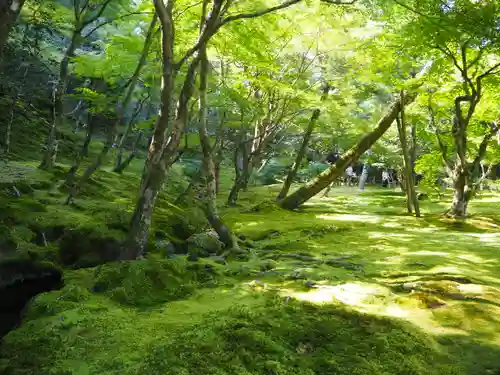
(204, 244)
(88, 247)
(151, 281)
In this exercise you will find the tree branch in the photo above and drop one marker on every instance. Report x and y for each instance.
(111, 21)
(481, 153)
(99, 13)
(260, 13)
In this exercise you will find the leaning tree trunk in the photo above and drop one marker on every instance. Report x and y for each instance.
(310, 189)
(112, 132)
(50, 154)
(300, 155)
(9, 11)
(303, 147)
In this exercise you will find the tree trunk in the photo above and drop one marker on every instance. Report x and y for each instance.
(241, 167)
(225, 234)
(460, 197)
(161, 153)
(363, 177)
(411, 195)
(9, 11)
(218, 161)
(310, 189)
(70, 177)
(300, 155)
(112, 132)
(50, 154)
(121, 144)
(8, 130)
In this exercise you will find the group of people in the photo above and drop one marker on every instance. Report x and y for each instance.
(350, 178)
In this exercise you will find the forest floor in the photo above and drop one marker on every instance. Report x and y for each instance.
(350, 284)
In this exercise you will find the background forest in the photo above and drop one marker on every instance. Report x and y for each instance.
(174, 195)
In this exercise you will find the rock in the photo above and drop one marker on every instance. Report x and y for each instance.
(207, 241)
(166, 248)
(193, 257)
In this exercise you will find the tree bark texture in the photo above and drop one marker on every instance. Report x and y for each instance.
(310, 189)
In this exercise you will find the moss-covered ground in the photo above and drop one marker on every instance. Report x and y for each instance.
(350, 284)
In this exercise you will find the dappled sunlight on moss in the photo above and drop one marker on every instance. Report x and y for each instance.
(351, 218)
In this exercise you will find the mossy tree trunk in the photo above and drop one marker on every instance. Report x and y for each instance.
(123, 138)
(50, 154)
(303, 146)
(84, 152)
(120, 115)
(9, 11)
(241, 167)
(162, 151)
(84, 16)
(411, 196)
(313, 187)
(210, 197)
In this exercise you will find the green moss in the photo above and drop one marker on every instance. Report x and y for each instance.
(152, 281)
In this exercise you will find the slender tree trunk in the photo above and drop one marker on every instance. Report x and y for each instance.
(84, 152)
(121, 144)
(161, 152)
(364, 176)
(131, 156)
(50, 154)
(241, 167)
(218, 161)
(8, 130)
(300, 155)
(310, 189)
(9, 11)
(112, 132)
(225, 234)
(191, 188)
(411, 196)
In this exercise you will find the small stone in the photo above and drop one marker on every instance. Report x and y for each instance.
(192, 257)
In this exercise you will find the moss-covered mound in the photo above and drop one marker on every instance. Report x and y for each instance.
(256, 335)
